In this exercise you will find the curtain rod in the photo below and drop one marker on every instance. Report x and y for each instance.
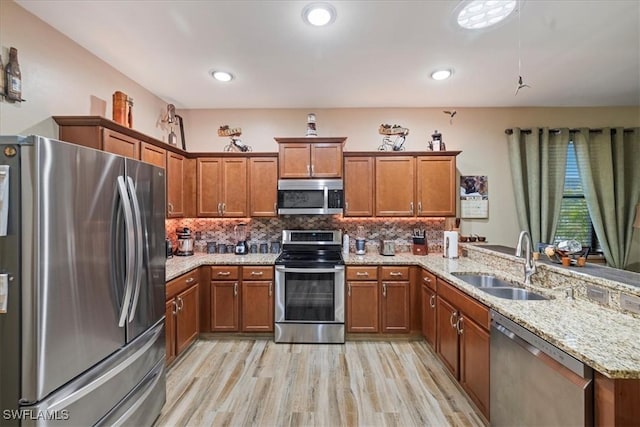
(527, 131)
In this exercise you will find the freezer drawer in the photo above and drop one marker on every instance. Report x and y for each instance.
(87, 399)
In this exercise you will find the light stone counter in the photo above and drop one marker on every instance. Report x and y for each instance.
(602, 337)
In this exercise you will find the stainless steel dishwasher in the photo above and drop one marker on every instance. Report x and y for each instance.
(533, 383)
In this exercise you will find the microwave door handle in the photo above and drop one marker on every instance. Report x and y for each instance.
(326, 198)
(130, 237)
(139, 245)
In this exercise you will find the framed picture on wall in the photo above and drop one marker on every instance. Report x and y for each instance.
(474, 196)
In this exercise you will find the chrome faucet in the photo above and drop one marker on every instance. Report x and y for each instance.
(529, 265)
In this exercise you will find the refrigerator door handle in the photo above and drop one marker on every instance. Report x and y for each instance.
(138, 245)
(130, 252)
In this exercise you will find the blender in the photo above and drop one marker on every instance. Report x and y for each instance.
(240, 233)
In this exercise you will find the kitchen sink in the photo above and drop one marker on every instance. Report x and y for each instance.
(514, 294)
(483, 280)
(498, 287)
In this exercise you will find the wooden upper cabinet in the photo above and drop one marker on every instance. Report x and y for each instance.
(157, 156)
(300, 158)
(123, 145)
(326, 160)
(208, 173)
(436, 186)
(263, 186)
(221, 187)
(176, 192)
(295, 160)
(395, 179)
(358, 186)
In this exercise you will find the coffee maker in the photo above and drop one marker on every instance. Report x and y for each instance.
(185, 242)
(240, 233)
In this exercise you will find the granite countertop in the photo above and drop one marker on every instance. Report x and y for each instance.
(605, 339)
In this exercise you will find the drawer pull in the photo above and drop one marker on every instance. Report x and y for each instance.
(426, 280)
(224, 273)
(361, 273)
(190, 279)
(257, 273)
(395, 273)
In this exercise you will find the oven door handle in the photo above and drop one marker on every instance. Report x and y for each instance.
(310, 270)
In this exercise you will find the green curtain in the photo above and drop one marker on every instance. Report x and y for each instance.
(538, 162)
(609, 163)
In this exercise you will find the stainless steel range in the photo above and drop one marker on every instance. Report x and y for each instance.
(309, 294)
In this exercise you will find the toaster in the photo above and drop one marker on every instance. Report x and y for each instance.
(387, 247)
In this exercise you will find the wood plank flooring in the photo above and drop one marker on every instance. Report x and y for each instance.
(246, 382)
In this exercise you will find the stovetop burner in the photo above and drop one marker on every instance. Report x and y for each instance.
(310, 248)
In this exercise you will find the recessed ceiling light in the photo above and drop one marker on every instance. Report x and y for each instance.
(441, 74)
(222, 76)
(477, 14)
(319, 14)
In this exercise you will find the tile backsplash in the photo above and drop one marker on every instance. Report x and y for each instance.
(263, 230)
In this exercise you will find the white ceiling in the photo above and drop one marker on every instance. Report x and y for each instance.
(376, 54)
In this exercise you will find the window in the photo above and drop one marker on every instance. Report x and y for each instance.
(574, 222)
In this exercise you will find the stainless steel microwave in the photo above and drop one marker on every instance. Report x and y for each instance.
(310, 196)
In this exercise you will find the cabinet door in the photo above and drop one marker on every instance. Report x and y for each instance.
(209, 174)
(188, 318)
(295, 160)
(394, 186)
(257, 306)
(429, 315)
(225, 306)
(395, 307)
(474, 362)
(263, 186)
(447, 335)
(326, 160)
(123, 145)
(233, 184)
(436, 189)
(362, 307)
(175, 185)
(170, 330)
(358, 186)
(149, 153)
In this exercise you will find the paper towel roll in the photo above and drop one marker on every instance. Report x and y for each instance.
(450, 244)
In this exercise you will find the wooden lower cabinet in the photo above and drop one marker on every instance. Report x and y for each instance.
(462, 341)
(395, 307)
(182, 314)
(474, 363)
(616, 401)
(363, 307)
(257, 299)
(187, 317)
(170, 330)
(225, 306)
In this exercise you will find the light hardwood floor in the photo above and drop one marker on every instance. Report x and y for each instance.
(247, 382)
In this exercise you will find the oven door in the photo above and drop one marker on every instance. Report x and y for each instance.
(309, 295)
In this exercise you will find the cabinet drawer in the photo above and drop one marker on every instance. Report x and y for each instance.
(428, 279)
(225, 273)
(362, 273)
(471, 308)
(394, 273)
(179, 284)
(257, 273)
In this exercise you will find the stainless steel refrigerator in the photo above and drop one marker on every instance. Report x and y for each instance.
(82, 286)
